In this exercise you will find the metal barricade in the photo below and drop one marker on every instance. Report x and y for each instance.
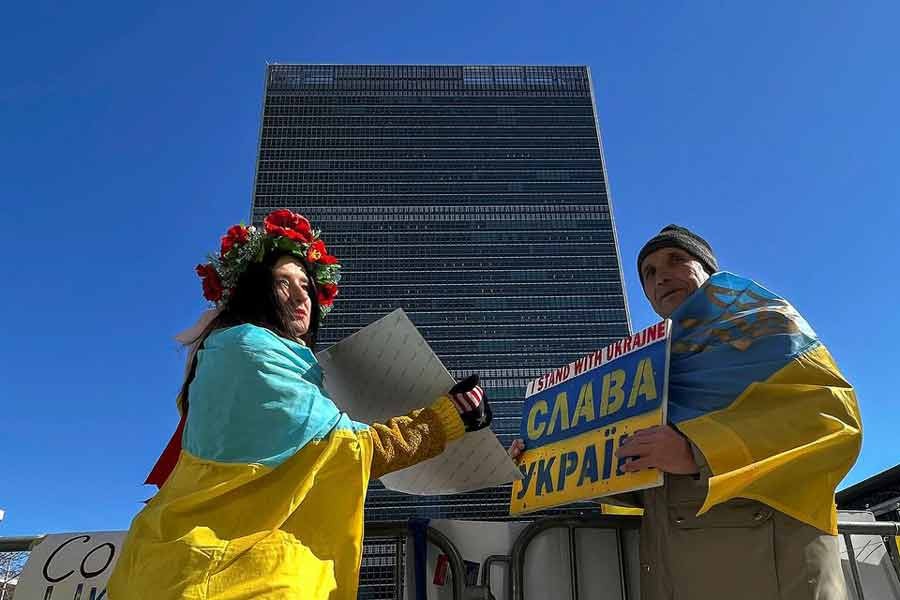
(398, 529)
(848, 529)
(19, 544)
(516, 580)
(516, 585)
(401, 529)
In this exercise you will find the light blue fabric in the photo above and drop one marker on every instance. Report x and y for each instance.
(727, 335)
(257, 398)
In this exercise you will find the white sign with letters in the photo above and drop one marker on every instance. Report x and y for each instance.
(70, 565)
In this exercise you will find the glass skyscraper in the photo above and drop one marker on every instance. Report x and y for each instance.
(475, 198)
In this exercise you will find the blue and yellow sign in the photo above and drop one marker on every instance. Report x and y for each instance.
(576, 416)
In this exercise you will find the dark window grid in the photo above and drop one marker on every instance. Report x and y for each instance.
(485, 288)
(536, 273)
(446, 155)
(601, 295)
(335, 198)
(545, 272)
(380, 163)
(468, 76)
(465, 229)
(517, 333)
(323, 201)
(361, 318)
(340, 169)
(416, 159)
(435, 185)
(389, 174)
(450, 248)
(483, 198)
(424, 164)
(437, 212)
(392, 142)
(457, 93)
(352, 268)
(311, 202)
(446, 111)
(426, 132)
(472, 235)
(472, 187)
(463, 222)
(457, 223)
(362, 301)
(536, 353)
(404, 103)
(542, 358)
(469, 263)
(442, 134)
(497, 303)
(424, 121)
(442, 177)
(453, 224)
(422, 70)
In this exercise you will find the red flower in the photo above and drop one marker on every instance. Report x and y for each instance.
(235, 236)
(318, 254)
(288, 224)
(327, 293)
(212, 285)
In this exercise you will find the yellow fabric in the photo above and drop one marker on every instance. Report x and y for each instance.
(787, 441)
(449, 418)
(613, 509)
(292, 532)
(404, 441)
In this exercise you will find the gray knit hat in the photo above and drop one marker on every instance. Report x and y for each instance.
(674, 236)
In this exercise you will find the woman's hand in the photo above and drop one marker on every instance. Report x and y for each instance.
(471, 402)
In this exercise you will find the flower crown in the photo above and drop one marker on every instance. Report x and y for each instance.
(283, 231)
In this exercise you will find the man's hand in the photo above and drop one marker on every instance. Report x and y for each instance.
(516, 449)
(658, 447)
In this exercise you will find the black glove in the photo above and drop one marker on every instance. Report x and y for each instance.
(472, 404)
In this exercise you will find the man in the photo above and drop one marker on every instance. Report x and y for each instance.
(762, 427)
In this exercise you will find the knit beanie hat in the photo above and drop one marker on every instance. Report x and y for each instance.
(674, 236)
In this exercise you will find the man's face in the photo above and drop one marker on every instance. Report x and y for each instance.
(670, 275)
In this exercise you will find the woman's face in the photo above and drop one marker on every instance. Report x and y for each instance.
(292, 289)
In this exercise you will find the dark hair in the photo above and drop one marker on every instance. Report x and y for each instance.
(254, 300)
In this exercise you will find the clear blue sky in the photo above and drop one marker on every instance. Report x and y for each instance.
(127, 140)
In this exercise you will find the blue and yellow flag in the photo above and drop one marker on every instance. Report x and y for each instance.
(266, 497)
(755, 390)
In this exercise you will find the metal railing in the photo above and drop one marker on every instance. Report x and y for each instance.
(19, 544)
(848, 529)
(516, 582)
(516, 560)
(390, 529)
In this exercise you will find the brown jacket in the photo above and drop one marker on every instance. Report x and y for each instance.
(738, 550)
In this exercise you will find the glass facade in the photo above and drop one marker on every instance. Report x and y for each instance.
(475, 198)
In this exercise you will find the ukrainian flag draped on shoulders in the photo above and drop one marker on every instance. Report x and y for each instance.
(751, 385)
(266, 499)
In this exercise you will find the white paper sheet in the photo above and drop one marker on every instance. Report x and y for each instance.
(386, 370)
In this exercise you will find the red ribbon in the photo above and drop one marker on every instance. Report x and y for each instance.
(166, 462)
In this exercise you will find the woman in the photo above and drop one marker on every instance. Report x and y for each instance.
(263, 483)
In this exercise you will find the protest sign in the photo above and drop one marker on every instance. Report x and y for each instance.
(70, 565)
(575, 417)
